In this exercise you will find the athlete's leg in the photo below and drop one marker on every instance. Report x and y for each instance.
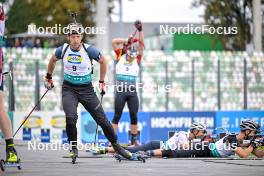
(5, 122)
(70, 104)
(178, 153)
(5, 125)
(133, 105)
(152, 145)
(201, 152)
(120, 101)
(91, 103)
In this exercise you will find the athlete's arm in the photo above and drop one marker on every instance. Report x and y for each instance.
(54, 58)
(244, 152)
(141, 43)
(103, 67)
(117, 42)
(141, 47)
(52, 64)
(48, 83)
(139, 27)
(117, 48)
(95, 54)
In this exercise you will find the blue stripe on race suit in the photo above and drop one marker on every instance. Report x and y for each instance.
(126, 78)
(214, 152)
(78, 80)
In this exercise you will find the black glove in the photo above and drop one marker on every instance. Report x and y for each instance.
(102, 87)
(138, 25)
(48, 83)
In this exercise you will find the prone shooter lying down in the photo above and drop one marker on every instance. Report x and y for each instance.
(179, 140)
(181, 144)
(243, 144)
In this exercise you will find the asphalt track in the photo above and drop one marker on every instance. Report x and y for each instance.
(48, 163)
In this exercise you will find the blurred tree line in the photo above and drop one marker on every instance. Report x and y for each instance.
(47, 13)
(226, 13)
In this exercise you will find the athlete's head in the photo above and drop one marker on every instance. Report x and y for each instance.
(198, 130)
(131, 48)
(249, 128)
(75, 34)
(132, 51)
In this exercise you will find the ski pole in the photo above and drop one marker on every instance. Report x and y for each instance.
(96, 130)
(31, 112)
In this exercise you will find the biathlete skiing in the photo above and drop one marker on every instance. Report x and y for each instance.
(77, 58)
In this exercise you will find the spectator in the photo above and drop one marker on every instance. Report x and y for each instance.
(17, 43)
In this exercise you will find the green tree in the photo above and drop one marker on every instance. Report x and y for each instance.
(48, 13)
(226, 13)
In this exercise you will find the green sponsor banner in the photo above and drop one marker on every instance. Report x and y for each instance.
(200, 42)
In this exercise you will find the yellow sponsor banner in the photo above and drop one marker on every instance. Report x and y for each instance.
(58, 121)
(34, 122)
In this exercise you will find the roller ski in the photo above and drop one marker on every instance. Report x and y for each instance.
(11, 160)
(123, 154)
(5, 164)
(144, 154)
(73, 154)
(134, 157)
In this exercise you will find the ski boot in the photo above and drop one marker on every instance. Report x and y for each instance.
(12, 159)
(73, 154)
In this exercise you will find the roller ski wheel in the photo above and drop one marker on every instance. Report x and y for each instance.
(5, 164)
(118, 158)
(2, 163)
(74, 159)
(19, 167)
(140, 158)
